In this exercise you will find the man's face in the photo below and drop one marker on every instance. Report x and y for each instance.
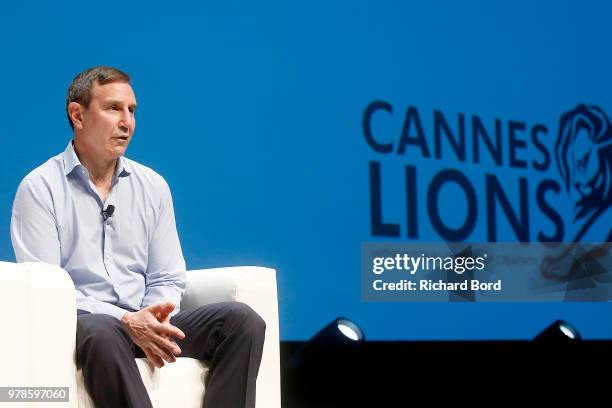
(109, 121)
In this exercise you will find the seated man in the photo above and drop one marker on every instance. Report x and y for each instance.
(109, 222)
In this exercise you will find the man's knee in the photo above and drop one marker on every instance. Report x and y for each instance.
(250, 319)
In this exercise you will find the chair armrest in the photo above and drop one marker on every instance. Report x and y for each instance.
(39, 342)
(256, 287)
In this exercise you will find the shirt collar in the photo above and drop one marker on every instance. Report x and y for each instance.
(71, 161)
(123, 167)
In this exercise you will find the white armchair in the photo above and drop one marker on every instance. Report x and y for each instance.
(38, 340)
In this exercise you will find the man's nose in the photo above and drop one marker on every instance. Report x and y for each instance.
(127, 121)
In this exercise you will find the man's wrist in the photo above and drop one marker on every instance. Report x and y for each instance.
(126, 317)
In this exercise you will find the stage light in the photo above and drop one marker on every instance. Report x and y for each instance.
(558, 333)
(338, 332)
(329, 362)
(332, 343)
(350, 330)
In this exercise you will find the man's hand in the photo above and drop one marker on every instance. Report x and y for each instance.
(162, 313)
(151, 330)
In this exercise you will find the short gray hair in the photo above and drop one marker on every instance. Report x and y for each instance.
(81, 86)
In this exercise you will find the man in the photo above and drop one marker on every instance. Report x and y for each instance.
(109, 222)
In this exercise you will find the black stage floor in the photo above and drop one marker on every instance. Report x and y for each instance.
(397, 374)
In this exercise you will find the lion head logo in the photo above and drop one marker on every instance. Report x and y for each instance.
(584, 159)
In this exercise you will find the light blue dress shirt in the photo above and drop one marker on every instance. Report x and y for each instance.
(131, 260)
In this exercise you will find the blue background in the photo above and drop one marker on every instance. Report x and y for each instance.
(252, 112)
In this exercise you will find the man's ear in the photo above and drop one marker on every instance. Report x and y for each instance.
(75, 111)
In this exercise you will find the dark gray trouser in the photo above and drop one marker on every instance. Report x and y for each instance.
(227, 336)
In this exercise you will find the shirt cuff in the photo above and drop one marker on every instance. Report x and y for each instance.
(159, 294)
(102, 307)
